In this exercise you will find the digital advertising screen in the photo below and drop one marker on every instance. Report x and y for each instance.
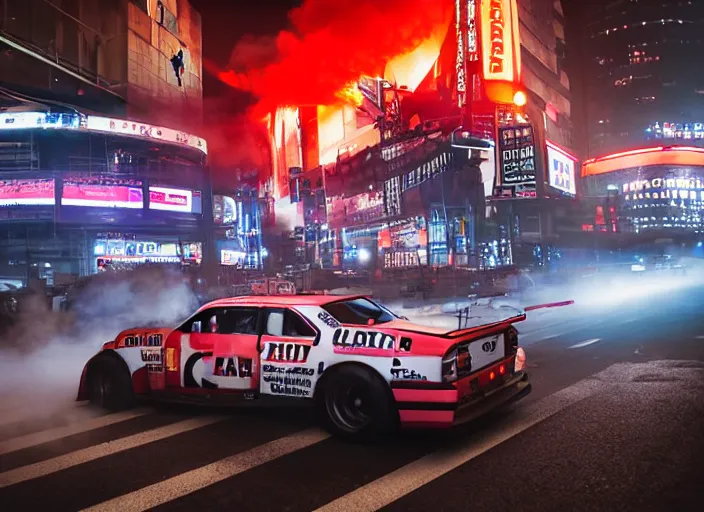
(27, 192)
(517, 155)
(197, 203)
(224, 210)
(192, 252)
(561, 169)
(102, 193)
(232, 258)
(171, 199)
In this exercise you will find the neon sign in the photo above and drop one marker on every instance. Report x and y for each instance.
(472, 53)
(80, 122)
(459, 64)
(501, 45)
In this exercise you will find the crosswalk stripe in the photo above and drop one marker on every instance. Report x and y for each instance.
(75, 458)
(19, 443)
(395, 485)
(191, 481)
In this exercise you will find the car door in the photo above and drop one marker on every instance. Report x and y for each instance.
(219, 349)
(286, 342)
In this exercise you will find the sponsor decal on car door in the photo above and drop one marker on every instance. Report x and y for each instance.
(286, 346)
(220, 351)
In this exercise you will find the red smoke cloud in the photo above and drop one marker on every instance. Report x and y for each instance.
(331, 43)
(234, 140)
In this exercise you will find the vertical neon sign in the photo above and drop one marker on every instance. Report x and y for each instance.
(459, 63)
(501, 45)
(472, 48)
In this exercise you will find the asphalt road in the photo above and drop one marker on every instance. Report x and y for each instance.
(615, 422)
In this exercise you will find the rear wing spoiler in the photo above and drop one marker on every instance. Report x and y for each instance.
(495, 327)
(485, 330)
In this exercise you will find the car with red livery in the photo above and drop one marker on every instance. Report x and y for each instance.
(366, 369)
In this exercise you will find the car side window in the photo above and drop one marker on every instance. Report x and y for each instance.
(237, 321)
(285, 322)
(223, 321)
(198, 323)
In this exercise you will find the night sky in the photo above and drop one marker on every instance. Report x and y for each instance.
(225, 21)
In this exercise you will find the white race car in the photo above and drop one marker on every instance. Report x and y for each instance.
(366, 369)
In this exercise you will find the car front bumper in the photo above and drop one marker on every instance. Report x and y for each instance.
(435, 405)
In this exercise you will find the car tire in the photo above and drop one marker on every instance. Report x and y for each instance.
(356, 404)
(110, 384)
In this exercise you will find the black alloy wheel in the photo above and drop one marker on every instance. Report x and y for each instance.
(355, 403)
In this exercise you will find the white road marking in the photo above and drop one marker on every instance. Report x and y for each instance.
(69, 460)
(395, 485)
(19, 443)
(586, 343)
(700, 337)
(191, 481)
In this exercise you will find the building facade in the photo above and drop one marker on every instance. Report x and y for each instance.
(80, 194)
(649, 193)
(536, 159)
(95, 170)
(133, 59)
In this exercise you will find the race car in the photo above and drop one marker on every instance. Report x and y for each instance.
(366, 369)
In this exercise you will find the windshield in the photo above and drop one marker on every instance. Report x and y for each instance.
(359, 312)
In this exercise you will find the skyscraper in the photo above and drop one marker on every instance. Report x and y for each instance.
(636, 64)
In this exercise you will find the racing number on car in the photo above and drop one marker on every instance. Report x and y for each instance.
(199, 370)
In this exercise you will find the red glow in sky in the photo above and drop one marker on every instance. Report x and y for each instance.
(331, 43)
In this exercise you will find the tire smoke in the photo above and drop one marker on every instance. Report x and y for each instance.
(43, 353)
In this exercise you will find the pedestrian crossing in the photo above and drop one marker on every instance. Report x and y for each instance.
(255, 459)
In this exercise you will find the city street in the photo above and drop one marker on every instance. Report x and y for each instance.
(615, 422)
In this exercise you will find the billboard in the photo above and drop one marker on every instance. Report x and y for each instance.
(561, 169)
(516, 155)
(27, 192)
(359, 209)
(676, 156)
(146, 131)
(102, 193)
(170, 199)
(45, 120)
(501, 45)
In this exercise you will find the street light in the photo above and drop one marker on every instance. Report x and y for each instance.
(364, 255)
(520, 98)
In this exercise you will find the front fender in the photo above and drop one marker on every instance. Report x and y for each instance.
(83, 383)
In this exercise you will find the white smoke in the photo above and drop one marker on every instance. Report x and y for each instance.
(42, 356)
